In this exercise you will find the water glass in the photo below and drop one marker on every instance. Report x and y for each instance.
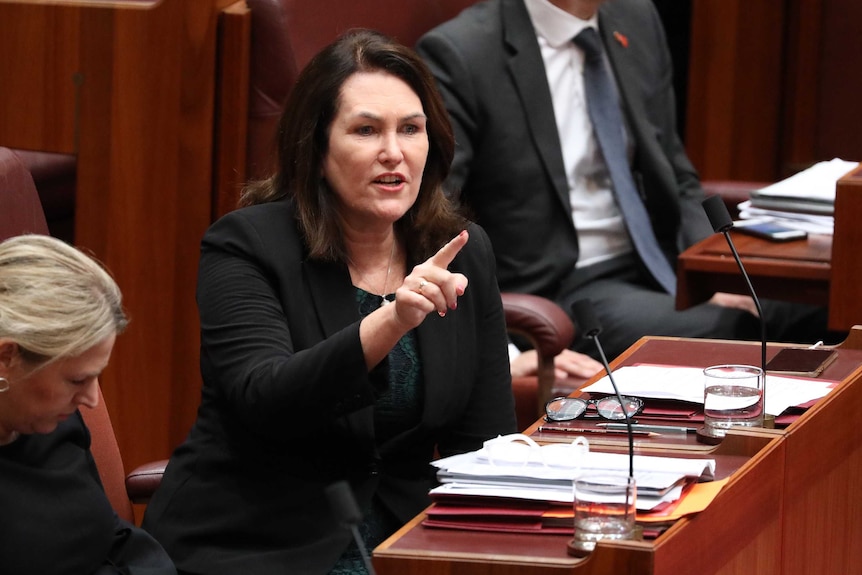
(732, 396)
(604, 510)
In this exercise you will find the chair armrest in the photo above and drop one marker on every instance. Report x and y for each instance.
(732, 192)
(547, 327)
(540, 320)
(143, 481)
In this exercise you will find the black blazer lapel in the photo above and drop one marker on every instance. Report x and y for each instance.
(334, 299)
(626, 71)
(528, 74)
(438, 348)
(332, 294)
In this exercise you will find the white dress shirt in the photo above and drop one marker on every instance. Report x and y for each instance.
(601, 231)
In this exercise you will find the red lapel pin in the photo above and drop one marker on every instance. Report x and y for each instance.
(621, 39)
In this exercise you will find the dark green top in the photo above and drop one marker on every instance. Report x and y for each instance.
(398, 408)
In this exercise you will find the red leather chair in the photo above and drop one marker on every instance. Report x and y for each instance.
(20, 208)
(549, 330)
(55, 177)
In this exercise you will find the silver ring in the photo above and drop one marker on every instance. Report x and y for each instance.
(422, 284)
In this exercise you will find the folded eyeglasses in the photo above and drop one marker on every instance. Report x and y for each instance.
(569, 408)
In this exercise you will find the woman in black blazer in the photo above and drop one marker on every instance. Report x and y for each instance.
(351, 325)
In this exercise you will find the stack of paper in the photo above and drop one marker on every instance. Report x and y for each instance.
(481, 491)
(487, 513)
(686, 384)
(803, 201)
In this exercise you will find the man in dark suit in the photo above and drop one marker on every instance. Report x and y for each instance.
(530, 166)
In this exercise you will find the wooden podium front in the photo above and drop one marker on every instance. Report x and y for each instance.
(792, 505)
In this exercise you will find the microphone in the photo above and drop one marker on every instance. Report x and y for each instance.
(588, 323)
(721, 222)
(344, 506)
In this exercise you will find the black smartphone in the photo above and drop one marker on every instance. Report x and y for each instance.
(807, 362)
(770, 230)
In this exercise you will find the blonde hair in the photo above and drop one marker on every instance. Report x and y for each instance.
(55, 301)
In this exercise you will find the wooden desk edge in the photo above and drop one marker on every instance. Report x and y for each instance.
(386, 551)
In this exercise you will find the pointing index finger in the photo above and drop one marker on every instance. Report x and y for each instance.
(448, 252)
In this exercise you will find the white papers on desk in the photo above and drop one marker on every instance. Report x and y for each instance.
(811, 223)
(804, 201)
(658, 479)
(815, 185)
(644, 502)
(686, 384)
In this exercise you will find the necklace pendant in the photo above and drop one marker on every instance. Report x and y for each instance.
(384, 301)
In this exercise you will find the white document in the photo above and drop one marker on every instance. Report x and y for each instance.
(658, 479)
(643, 502)
(811, 223)
(816, 183)
(686, 384)
(651, 473)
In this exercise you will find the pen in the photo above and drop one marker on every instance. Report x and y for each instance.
(647, 427)
(579, 430)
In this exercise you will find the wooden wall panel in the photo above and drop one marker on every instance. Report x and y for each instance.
(840, 85)
(772, 86)
(804, 23)
(232, 102)
(140, 119)
(735, 85)
(37, 76)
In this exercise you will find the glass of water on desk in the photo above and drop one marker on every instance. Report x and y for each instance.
(604, 510)
(733, 396)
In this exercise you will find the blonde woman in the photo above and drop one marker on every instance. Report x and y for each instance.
(60, 314)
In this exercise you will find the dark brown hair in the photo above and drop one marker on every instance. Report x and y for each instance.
(303, 138)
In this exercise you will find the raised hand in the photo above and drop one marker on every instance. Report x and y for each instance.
(430, 286)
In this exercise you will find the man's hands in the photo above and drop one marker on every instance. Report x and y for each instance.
(735, 301)
(567, 364)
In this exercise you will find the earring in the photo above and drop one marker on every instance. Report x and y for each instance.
(4, 385)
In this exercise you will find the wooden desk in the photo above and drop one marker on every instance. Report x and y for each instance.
(792, 507)
(821, 270)
(792, 271)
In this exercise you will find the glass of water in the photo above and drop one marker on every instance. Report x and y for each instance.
(604, 510)
(732, 396)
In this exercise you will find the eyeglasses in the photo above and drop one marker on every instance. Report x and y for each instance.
(569, 408)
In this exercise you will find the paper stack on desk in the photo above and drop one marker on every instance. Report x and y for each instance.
(804, 201)
(686, 384)
(478, 491)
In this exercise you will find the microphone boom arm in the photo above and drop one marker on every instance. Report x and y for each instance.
(756, 305)
(589, 324)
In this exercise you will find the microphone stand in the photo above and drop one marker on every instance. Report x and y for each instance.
(586, 319)
(344, 506)
(721, 222)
